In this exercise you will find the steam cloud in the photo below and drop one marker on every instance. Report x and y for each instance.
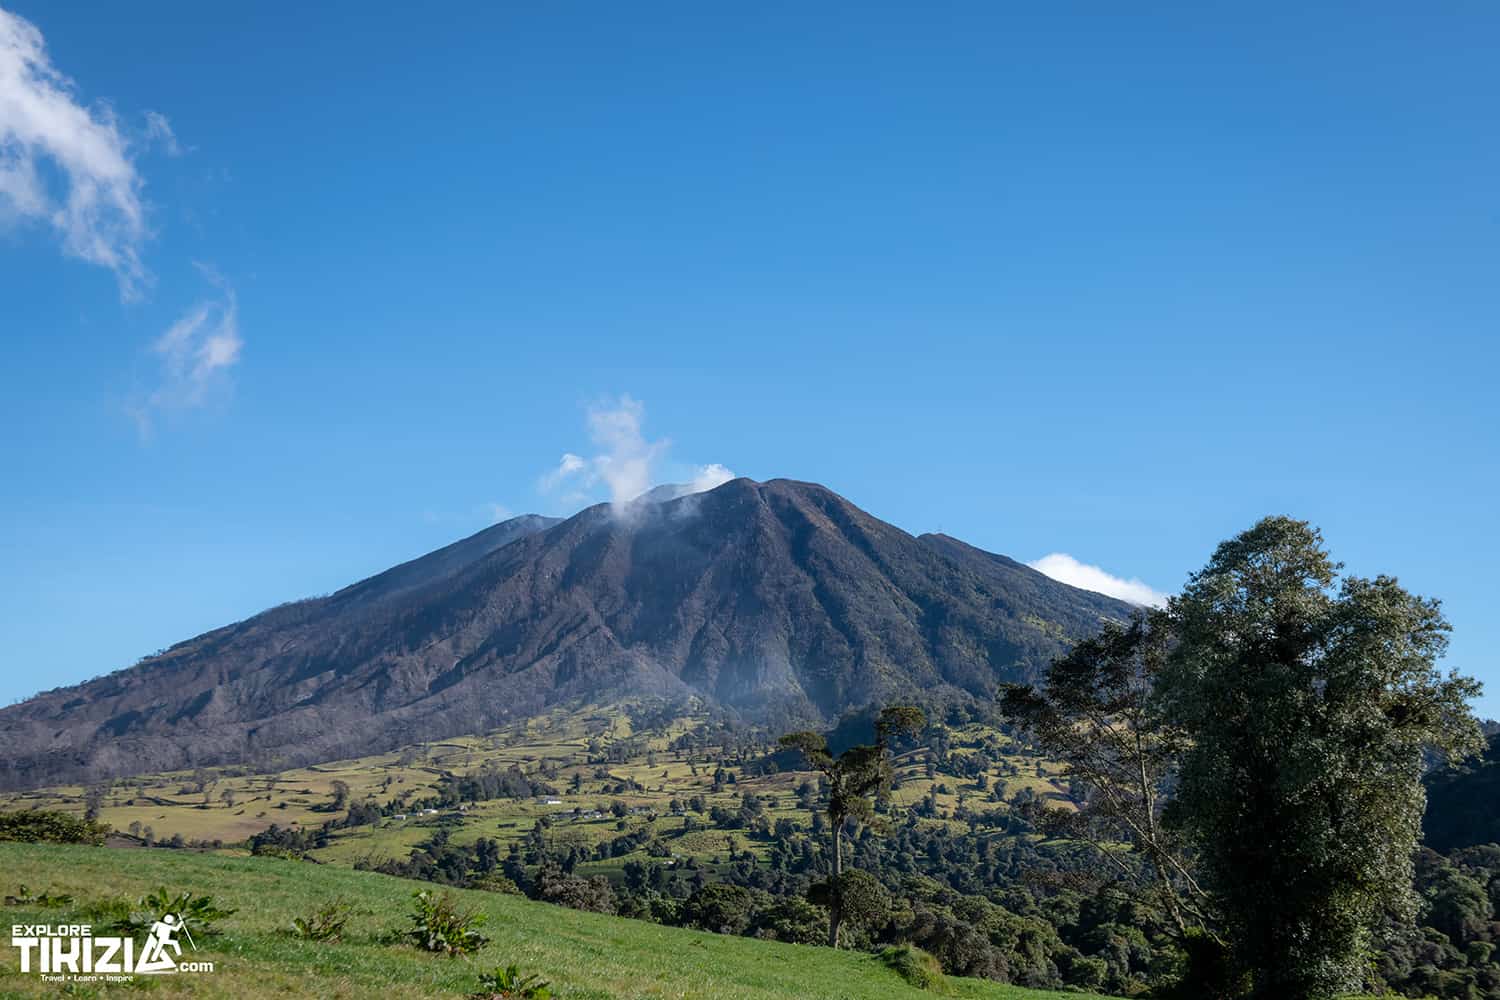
(626, 463)
(709, 477)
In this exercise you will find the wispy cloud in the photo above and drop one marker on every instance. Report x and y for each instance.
(159, 131)
(568, 466)
(626, 464)
(195, 353)
(65, 165)
(481, 513)
(1064, 568)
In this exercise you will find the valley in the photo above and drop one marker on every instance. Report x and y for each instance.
(596, 760)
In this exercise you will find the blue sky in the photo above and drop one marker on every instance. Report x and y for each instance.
(287, 298)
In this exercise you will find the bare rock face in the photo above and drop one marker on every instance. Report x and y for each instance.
(780, 600)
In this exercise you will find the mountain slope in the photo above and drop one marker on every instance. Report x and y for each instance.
(1461, 802)
(780, 600)
(444, 562)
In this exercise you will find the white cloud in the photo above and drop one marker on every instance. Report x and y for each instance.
(499, 512)
(64, 165)
(627, 462)
(195, 353)
(1064, 568)
(159, 130)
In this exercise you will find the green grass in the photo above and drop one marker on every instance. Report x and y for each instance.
(585, 955)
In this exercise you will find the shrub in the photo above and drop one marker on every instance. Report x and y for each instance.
(1088, 971)
(863, 900)
(915, 966)
(49, 900)
(509, 984)
(198, 913)
(593, 894)
(42, 826)
(439, 925)
(794, 919)
(720, 907)
(326, 923)
(111, 915)
(497, 882)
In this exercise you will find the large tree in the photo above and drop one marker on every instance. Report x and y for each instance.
(1308, 700)
(854, 777)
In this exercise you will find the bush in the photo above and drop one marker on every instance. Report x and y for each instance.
(720, 907)
(1088, 972)
(45, 899)
(326, 923)
(439, 925)
(864, 902)
(915, 966)
(592, 894)
(41, 826)
(792, 919)
(509, 984)
(496, 882)
(198, 913)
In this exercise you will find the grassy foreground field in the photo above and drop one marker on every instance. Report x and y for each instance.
(586, 956)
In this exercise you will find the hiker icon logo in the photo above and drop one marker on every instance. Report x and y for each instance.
(154, 957)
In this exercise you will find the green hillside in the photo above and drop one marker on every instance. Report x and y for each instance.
(584, 955)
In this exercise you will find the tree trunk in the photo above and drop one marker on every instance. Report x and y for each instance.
(835, 917)
(1153, 839)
